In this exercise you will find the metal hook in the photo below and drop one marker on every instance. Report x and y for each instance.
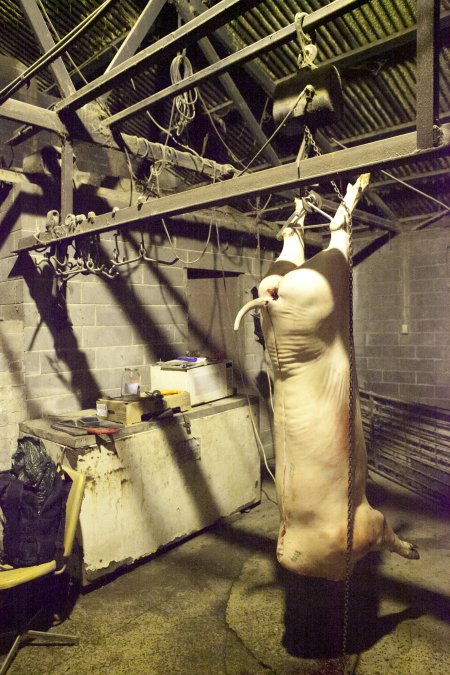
(308, 51)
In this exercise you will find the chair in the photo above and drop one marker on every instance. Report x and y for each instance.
(15, 577)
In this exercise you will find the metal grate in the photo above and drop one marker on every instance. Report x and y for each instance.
(409, 443)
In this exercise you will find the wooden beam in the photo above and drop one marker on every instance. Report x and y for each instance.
(393, 151)
(19, 111)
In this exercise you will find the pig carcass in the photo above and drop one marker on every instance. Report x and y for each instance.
(305, 320)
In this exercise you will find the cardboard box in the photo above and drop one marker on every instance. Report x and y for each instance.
(204, 383)
(129, 412)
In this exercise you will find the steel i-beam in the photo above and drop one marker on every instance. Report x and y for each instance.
(387, 152)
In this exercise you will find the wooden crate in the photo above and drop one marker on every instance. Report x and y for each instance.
(129, 412)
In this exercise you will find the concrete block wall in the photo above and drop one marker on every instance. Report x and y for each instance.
(64, 348)
(402, 319)
(12, 361)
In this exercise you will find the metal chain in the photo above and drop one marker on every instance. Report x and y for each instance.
(351, 405)
(351, 450)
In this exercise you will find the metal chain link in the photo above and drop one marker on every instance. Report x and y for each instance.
(351, 406)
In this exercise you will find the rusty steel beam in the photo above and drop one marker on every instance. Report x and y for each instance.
(19, 111)
(316, 18)
(351, 161)
(52, 54)
(427, 72)
(46, 42)
(137, 33)
(233, 92)
(166, 47)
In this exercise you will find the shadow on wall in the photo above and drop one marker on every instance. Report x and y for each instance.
(51, 303)
(130, 304)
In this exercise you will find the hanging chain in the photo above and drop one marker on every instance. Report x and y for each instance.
(351, 449)
(351, 406)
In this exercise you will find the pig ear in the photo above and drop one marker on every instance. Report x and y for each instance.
(259, 302)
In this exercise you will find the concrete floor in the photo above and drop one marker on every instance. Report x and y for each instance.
(219, 605)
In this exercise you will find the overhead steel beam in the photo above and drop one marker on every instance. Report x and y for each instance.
(234, 93)
(46, 42)
(385, 45)
(427, 72)
(222, 34)
(67, 160)
(320, 16)
(19, 111)
(137, 33)
(167, 47)
(361, 216)
(436, 174)
(369, 193)
(319, 169)
(52, 54)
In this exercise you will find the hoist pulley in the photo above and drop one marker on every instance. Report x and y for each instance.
(311, 97)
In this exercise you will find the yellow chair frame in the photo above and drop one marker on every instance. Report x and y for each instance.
(13, 577)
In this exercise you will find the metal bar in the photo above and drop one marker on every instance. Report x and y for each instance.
(388, 152)
(253, 68)
(443, 172)
(19, 111)
(361, 216)
(137, 33)
(66, 178)
(163, 48)
(430, 220)
(283, 35)
(50, 56)
(382, 46)
(427, 71)
(369, 193)
(234, 93)
(42, 33)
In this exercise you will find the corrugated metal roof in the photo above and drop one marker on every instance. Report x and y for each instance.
(379, 93)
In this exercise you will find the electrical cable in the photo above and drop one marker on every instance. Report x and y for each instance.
(181, 69)
(172, 246)
(237, 351)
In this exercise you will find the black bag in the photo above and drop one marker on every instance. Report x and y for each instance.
(34, 507)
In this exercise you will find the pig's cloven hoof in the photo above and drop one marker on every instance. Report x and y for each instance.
(409, 551)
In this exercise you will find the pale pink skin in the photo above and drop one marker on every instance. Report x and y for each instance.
(306, 328)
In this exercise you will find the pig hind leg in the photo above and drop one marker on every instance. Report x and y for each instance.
(388, 540)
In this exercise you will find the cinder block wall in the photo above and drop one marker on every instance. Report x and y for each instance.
(402, 319)
(62, 350)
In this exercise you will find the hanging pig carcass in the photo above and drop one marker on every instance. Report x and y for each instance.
(305, 319)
